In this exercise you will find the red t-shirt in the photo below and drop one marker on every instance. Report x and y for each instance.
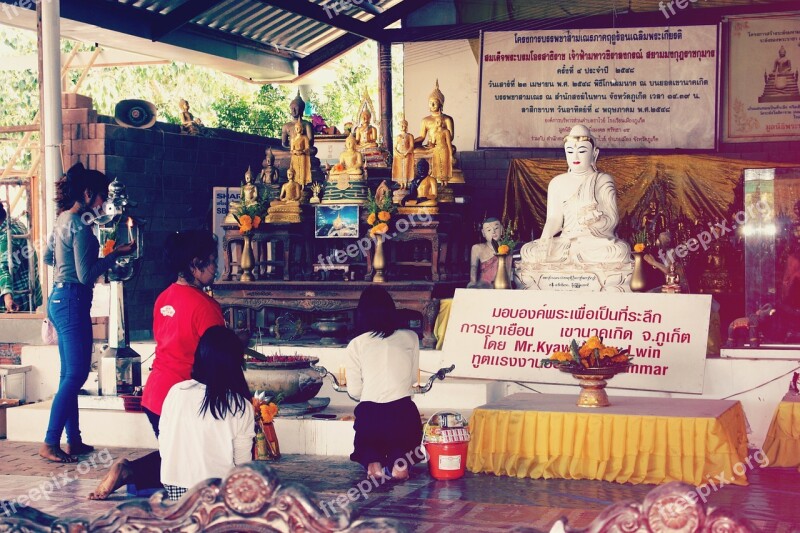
(180, 317)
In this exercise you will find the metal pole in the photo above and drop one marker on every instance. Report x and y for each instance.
(51, 105)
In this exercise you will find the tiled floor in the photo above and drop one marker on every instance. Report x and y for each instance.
(475, 503)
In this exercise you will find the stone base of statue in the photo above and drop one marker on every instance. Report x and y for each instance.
(283, 213)
(780, 88)
(600, 277)
(445, 193)
(345, 189)
(418, 210)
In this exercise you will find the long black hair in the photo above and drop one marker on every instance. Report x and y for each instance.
(186, 249)
(376, 312)
(218, 365)
(77, 180)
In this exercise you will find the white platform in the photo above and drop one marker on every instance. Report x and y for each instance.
(724, 377)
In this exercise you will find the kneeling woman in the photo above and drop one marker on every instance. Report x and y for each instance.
(382, 364)
(207, 423)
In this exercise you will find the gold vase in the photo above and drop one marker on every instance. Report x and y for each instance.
(501, 280)
(246, 261)
(378, 261)
(593, 390)
(638, 283)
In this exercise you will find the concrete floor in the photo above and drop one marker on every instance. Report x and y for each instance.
(475, 503)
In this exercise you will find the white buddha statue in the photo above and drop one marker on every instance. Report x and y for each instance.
(579, 232)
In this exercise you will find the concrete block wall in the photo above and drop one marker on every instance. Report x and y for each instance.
(169, 175)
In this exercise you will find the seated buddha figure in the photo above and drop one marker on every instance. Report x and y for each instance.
(423, 190)
(436, 106)
(190, 124)
(581, 213)
(296, 109)
(346, 180)
(286, 209)
(366, 135)
(780, 85)
(249, 195)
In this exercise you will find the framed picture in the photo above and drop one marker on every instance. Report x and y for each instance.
(336, 221)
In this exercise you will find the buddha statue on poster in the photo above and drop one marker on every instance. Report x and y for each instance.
(286, 209)
(780, 85)
(579, 234)
(347, 182)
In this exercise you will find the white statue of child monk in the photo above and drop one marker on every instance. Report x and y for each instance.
(483, 261)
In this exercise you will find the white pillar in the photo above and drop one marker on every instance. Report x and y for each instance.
(50, 119)
(52, 125)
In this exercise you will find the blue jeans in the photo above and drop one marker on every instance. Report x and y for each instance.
(68, 309)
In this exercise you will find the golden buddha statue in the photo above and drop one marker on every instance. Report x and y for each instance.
(296, 110)
(366, 135)
(286, 209)
(436, 107)
(301, 155)
(442, 152)
(422, 192)
(346, 180)
(190, 124)
(403, 161)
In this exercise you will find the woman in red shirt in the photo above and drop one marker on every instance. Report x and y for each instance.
(182, 313)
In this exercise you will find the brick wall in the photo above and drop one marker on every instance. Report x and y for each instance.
(169, 175)
(10, 353)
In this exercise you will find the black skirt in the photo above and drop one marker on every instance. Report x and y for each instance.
(387, 432)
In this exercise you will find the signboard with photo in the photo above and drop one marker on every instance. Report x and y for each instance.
(762, 101)
(336, 221)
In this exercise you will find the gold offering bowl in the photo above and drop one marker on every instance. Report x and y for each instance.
(593, 383)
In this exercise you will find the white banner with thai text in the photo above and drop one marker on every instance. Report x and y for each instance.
(510, 335)
(633, 87)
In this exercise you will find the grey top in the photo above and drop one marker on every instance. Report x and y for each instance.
(74, 251)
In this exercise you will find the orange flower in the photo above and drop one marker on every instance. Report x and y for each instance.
(383, 227)
(245, 223)
(594, 342)
(608, 352)
(371, 219)
(384, 216)
(638, 247)
(503, 249)
(256, 221)
(108, 247)
(561, 356)
(338, 167)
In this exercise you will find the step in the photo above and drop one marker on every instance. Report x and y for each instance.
(113, 427)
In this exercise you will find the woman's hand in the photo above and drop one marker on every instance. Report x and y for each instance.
(125, 249)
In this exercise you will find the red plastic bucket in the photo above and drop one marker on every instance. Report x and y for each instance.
(447, 460)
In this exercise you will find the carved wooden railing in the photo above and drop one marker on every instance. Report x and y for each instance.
(251, 498)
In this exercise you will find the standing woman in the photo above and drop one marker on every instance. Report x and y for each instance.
(382, 365)
(73, 251)
(181, 315)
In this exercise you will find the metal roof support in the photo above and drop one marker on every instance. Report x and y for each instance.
(179, 16)
(327, 16)
(51, 106)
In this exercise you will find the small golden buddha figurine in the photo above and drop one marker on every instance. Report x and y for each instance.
(422, 192)
(286, 210)
(346, 180)
(403, 162)
(189, 124)
(296, 109)
(250, 194)
(436, 107)
(366, 135)
(442, 152)
(301, 155)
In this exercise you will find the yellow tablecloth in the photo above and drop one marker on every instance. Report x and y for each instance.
(635, 440)
(782, 446)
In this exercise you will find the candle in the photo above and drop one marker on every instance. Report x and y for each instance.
(130, 229)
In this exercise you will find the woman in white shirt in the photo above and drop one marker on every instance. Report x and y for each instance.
(207, 423)
(382, 364)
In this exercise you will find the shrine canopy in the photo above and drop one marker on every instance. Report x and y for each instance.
(259, 41)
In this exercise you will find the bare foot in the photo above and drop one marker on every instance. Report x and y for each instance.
(375, 470)
(78, 449)
(400, 474)
(119, 474)
(55, 454)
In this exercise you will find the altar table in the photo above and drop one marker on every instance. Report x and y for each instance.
(782, 445)
(635, 440)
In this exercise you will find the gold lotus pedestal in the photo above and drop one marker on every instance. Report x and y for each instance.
(593, 383)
